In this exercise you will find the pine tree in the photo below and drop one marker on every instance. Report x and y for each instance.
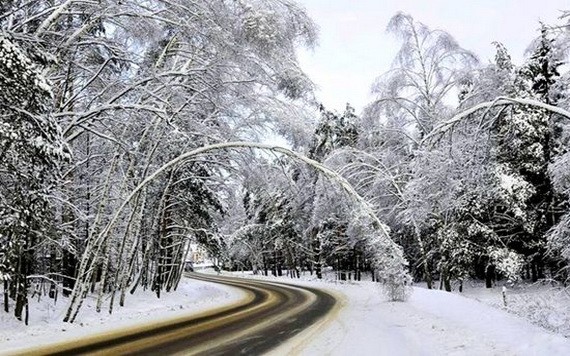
(542, 68)
(328, 236)
(31, 149)
(524, 150)
(334, 131)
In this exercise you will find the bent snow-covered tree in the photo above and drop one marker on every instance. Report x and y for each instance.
(389, 261)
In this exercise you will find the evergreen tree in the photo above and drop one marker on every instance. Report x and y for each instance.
(542, 68)
(524, 140)
(330, 219)
(31, 148)
(334, 131)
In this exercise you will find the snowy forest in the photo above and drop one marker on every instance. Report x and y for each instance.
(132, 128)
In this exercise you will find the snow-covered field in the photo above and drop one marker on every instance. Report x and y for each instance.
(431, 323)
(46, 326)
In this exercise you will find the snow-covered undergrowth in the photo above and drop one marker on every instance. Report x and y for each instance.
(432, 322)
(46, 326)
(542, 304)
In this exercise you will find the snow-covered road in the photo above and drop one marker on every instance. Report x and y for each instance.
(270, 314)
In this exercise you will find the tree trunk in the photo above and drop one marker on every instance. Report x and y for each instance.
(489, 275)
(279, 264)
(6, 299)
(424, 257)
(534, 272)
(21, 296)
(357, 271)
(317, 252)
(69, 269)
(447, 283)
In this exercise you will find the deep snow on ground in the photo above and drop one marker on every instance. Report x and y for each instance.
(545, 304)
(432, 322)
(46, 326)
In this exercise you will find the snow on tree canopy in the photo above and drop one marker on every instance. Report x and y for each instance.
(25, 91)
(32, 147)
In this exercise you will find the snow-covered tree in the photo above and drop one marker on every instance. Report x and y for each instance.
(334, 131)
(427, 67)
(32, 150)
(412, 99)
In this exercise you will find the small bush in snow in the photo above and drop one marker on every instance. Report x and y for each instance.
(508, 263)
(397, 287)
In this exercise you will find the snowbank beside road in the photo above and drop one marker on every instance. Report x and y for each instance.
(46, 326)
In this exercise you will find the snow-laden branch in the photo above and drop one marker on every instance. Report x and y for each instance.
(53, 17)
(500, 101)
(377, 167)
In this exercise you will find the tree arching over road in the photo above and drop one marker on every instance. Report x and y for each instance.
(391, 265)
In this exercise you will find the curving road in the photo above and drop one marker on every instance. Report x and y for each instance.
(270, 314)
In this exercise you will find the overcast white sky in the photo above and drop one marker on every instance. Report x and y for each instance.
(354, 47)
